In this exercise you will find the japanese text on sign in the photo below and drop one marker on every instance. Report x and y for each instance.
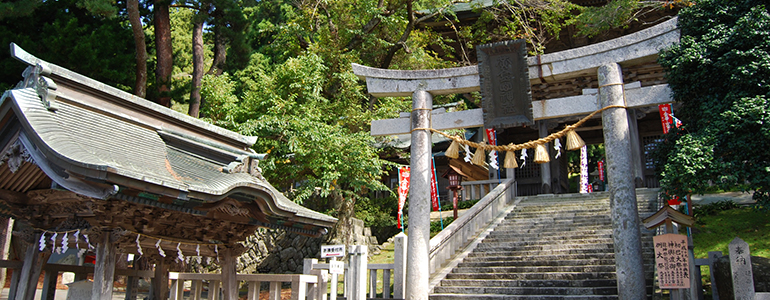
(332, 251)
(672, 261)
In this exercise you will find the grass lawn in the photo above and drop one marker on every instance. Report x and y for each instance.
(715, 232)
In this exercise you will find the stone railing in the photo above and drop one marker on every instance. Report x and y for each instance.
(302, 286)
(459, 233)
(473, 190)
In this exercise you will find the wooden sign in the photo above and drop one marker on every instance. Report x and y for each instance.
(672, 261)
(336, 267)
(332, 251)
(505, 89)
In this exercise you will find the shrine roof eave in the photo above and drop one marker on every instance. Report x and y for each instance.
(89, 136)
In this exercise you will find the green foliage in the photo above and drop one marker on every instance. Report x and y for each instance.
(435, 226)
(62, 33)
(460, 205)
(595, 20)
(18, 8)
(719, 72)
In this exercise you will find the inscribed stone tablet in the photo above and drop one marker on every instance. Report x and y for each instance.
(740, 267)
(672, 261)
(505, 89)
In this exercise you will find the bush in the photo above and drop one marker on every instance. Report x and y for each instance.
(435, 227)
(713, 208)
(460, 205)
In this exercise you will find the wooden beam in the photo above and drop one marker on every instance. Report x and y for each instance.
(13, 197)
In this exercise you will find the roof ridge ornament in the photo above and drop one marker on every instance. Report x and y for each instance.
(37, 77)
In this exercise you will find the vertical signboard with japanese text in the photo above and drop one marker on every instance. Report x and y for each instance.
(672, 261)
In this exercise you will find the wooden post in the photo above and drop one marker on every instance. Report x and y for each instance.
(24, 279)
(37, 270)
(104, 267)
(253, 293)
(229, 280)
(49, 285)
(160, 281)
(6, 228)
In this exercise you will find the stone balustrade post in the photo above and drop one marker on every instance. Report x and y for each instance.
(399, 266)
(356, 275)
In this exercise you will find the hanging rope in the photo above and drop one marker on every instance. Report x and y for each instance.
(527, 145)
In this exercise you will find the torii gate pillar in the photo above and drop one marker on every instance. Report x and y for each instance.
(421, 85)
(626, 233)
(418, 240)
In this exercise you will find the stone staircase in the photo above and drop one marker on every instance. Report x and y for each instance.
(548, 247)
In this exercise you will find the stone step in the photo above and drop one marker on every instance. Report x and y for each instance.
(608, 247)
(539, 263)
(530, 283)
(537, 242)
(536, 269)
(508, 236)
(534, 276)
(519, 297)
(558, 221)
(495, 253)
(605, 290)
(511, 258)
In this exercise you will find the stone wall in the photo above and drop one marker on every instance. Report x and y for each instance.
(275, 251)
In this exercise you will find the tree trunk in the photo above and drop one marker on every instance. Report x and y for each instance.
(140, 87)
(220, 51)
(164, 52)
(197, 75)
(342, 232)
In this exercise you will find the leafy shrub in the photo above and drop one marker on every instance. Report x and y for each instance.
(435, 227)
(460, 205)
(713, 208)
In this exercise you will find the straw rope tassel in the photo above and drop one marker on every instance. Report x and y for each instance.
(510, 160)
(541, 154)
(478, 158)
(454, 150)
(574, 141)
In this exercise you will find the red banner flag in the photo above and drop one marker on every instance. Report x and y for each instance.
(492, 138)
(403, 191)
(601, 170)
(433, 185)
(666, 116)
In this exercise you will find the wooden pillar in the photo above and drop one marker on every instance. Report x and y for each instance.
(160, 281)
(49, 285)
(229, 280)
(30, 257)
(104, 268)
(6, 229)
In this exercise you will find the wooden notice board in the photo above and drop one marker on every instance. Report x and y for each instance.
(672, 261)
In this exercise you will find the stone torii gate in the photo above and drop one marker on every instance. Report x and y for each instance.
(602, 58)
(421, 85)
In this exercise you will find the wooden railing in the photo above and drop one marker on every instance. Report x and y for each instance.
(459, 233)
(473, 190)
(353, 289)
(302, 286)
